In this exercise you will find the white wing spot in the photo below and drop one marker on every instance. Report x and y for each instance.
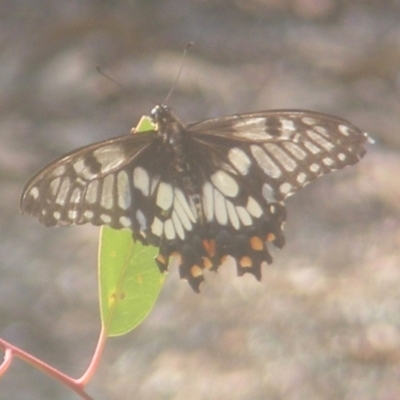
(141, 219)
(301, 177)
(54, 185)
(180, 197)
(56, 215)
(233, 217)
(325, 144)
(58, 171)
(154, 183)
(265, 162)
(79, 166)
(124, 194)
(92, 192)
(82, 169)
(249, 123)
(314, 167)
(268, 192)
(225, 183)
(343, 129)
(105, 218)
(239, 160)
(327, 161)
(288, 125)
(110, 157)
(321, 130)
(208, 201)
(141, 180)
(253, 207)
(285, 188)
(182, 216)
(76, 196)
(309, 120)
(125, 221)
(220, 208)
(34, 192)
(178, 225)
(157, 227)
(72, 214)
(295, 150)
(310, 146)
(63, 192)
(88, 214)
(165, 196)
(287, 162)
(169, 230)
(107, 197)
(341, 156)
(244, 216)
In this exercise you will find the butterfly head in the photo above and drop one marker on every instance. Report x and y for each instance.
(161, 114)
(167, 125)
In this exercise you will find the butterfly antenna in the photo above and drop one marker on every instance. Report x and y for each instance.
(100, 71)
(179, 72)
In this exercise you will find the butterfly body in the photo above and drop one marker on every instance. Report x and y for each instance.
(202, 191)
(180, 163)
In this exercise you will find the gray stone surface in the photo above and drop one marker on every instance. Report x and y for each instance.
(325, 321)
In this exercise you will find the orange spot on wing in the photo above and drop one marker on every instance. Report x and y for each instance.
(256, 243)
(209, 246)
(161, 259)
(246, 262)
(207, 263)
(270, 237)
(196, 271)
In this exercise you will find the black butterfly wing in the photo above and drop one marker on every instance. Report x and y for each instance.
(93, 184)
(202, 191)
(289, 148)
(249, 163)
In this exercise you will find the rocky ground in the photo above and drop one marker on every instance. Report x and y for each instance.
(324, 323)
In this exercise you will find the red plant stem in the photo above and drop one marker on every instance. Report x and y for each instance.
(8, 356)
(94, 363)
(77, 385)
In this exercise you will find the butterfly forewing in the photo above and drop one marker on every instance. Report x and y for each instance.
(91, 184)
(203, 191)
(290, 147)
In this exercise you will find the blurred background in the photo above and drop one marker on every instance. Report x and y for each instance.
(324, 323)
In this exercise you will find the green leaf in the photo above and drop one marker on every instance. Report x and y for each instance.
(145, 124)
(129, 280)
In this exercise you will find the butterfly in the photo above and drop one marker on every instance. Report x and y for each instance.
(202, 191)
